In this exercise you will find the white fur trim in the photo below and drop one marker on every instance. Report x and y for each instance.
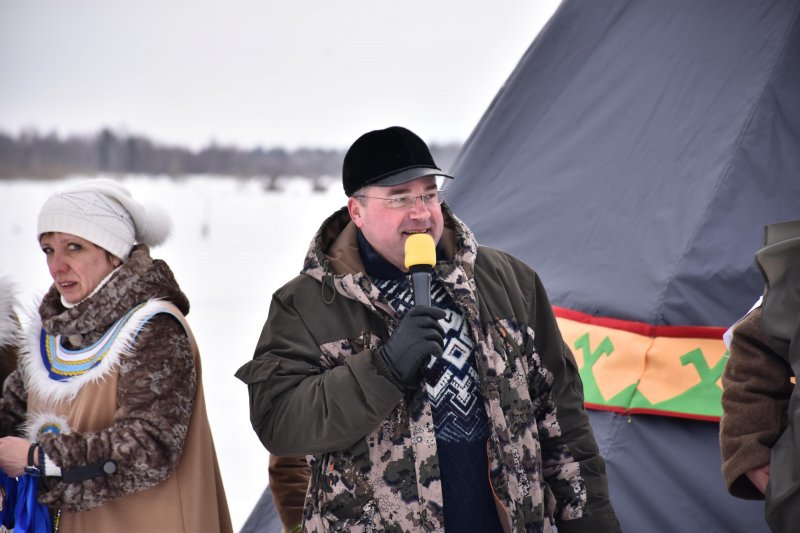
(9, 330)
(35, 423)
(38, 379)
(50, 468)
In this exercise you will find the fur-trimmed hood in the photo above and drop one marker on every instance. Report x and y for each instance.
(334, 248)
(9, 324)
(139, 279)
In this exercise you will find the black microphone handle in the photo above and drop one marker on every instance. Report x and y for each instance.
(421, 280)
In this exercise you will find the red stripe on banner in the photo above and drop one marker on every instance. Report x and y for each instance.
(653, 412)
(642, 328)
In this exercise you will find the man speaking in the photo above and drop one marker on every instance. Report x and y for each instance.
(463, 412)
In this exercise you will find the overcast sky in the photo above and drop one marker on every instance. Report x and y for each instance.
(263, 72)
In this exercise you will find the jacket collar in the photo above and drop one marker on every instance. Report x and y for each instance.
(335, 248)
(375, 265)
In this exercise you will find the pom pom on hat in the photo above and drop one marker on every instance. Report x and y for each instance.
(104, 213)
(156, 226)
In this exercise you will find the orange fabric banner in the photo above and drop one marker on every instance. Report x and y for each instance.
(633, 367)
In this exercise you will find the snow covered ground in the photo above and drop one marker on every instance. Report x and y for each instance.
(233, 244)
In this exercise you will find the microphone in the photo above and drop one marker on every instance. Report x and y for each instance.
(420, 259)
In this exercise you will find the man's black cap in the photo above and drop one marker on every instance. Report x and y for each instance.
(387, 157)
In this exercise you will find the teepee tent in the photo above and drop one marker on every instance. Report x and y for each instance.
(633, 158)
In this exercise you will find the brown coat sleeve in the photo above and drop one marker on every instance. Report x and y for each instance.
(755, 397)
(288, 481)
(13, 406)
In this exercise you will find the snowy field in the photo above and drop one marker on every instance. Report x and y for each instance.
(233, 243)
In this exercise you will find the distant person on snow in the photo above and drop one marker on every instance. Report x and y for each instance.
(760, 425)
(105, 418)
(463, 415)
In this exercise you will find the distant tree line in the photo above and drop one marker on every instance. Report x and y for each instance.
(33, 155)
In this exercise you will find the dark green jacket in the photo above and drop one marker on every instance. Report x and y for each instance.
(315, 390)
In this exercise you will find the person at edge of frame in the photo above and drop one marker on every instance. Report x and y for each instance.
(760, 428)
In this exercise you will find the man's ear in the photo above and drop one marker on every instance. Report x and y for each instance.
(356, 211)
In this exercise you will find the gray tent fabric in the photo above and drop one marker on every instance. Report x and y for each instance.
(663, 476)
(633, 158)
(264, 517)
(643, 145)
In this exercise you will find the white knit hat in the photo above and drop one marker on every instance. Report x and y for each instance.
(104, 213)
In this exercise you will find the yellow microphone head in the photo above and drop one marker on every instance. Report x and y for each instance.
(420, 250)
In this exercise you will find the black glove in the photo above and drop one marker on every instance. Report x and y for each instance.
(417, 337)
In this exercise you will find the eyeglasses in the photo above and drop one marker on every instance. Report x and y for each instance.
(407, 201)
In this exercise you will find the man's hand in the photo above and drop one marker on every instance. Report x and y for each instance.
(759, 477)
(418, 336)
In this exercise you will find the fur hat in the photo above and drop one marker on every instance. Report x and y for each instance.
(387, 157)
(103, 212)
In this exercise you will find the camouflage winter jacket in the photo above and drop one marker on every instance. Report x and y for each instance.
(315, 390)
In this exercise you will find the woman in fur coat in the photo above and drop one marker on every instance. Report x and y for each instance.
(107, 407)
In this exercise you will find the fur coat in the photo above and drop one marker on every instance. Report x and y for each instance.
(10, 335)
(156, 377)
